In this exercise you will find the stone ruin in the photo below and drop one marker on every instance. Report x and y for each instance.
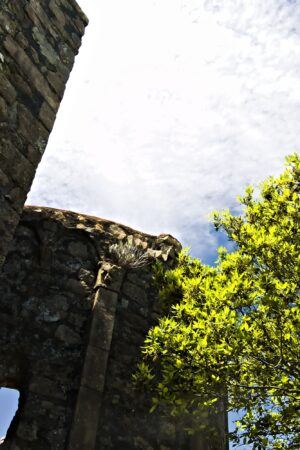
(72, 319)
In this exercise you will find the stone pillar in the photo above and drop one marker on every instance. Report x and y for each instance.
(38, 43)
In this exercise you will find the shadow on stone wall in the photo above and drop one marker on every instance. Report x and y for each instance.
(72, 324)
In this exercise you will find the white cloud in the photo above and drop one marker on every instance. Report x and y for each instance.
(172, 108)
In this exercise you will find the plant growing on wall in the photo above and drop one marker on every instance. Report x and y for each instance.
(129, 256)
(232, 332)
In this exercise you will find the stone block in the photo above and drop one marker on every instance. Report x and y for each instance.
(94, 370)
(29, 127)
(135, 321)
(7, 24)
(25, 92)
(102, 328)
(45, 48)
(56, 10)
(16, 197)
(77, 13)
(66, 54)
(57, 82)
(5, 182)
(106, 300)
(22, 40)
(5, 244)
(35, 11)
(55, 27)
(8, 215)
(84, 428)
(135, 293)
(35, 152)
(30, 70)
(15, 165)
(7, 90)
(3, 110)
(47, 116)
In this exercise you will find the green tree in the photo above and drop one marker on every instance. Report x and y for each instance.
(232, 332)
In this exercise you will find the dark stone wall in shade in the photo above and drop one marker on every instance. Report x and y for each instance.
(72, 322)
(38, 43)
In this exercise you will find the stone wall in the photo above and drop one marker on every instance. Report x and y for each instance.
(72, 322)
(72, 316)
(39, 41)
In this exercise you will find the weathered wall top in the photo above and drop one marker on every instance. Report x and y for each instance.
(72, 322)
(39, 41)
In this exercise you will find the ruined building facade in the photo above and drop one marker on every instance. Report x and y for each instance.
(72, 319)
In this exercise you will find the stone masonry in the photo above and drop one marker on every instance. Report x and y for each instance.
(73, 312)
(72, 322)
(38, 43)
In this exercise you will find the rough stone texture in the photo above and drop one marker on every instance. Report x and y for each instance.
(39, 41)
(72, 322)
(71, 318)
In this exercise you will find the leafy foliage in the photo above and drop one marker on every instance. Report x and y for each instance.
(232, 332)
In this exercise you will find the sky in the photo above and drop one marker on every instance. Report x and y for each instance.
(9, 399)
(173, 107)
